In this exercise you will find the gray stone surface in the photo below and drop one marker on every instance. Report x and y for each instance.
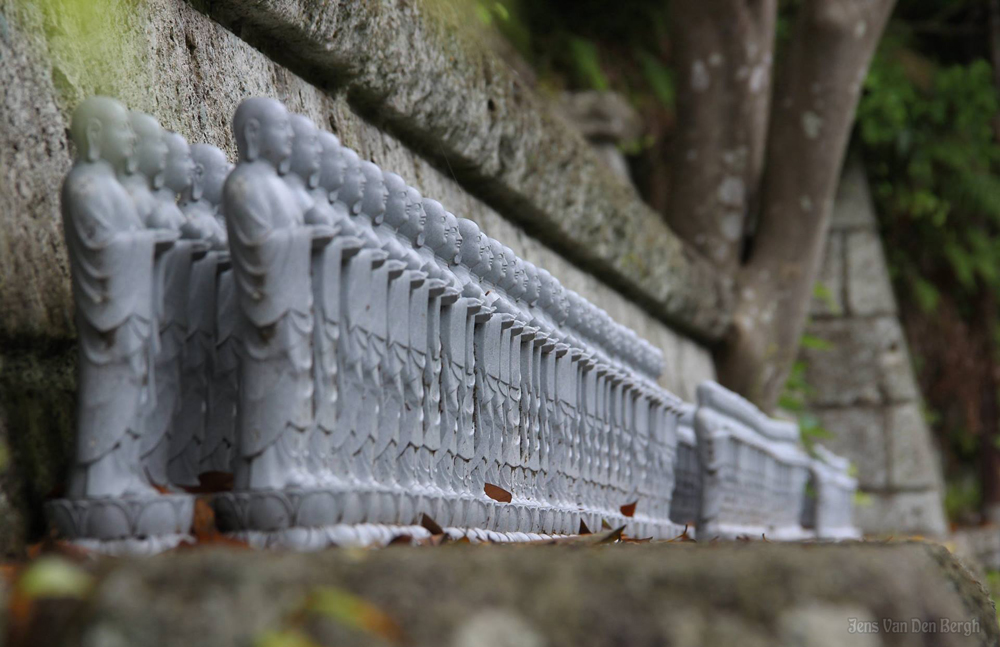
(902, 513)
(864, 388)
(853, 206)
(861, 364)
(913, 461)
(858, 435)
(831, 277)
(868, 289)
(420, 69)
(678, 594)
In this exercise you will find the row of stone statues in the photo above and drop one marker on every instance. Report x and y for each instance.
(350, 351)
(356, 356)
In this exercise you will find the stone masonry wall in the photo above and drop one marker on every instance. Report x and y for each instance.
(864, 387)
(167, 58)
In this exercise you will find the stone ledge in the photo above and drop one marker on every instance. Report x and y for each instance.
(418, 70)
(678, 594)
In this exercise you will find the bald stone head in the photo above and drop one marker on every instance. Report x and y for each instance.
(306, 151)
(179, 171)
(353, 191)
(263, 131)
(101, 130)
(211, 168)
(395, 208)
(376, 195)
(151, 147)
(331, 163)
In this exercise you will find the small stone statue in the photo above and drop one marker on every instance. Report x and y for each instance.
(214, 313)
(112, 254)
(271, 247)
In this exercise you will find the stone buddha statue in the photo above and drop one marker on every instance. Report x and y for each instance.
(271, 249)
(111, 254)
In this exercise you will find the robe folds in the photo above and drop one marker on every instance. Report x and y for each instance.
(111, 263)
(271, 252)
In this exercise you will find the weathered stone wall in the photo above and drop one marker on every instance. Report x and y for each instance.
(683, 595)
(169, 59)
(865, 391)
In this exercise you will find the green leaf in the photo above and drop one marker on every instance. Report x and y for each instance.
(825, 295)
(660, 79)
(54, 577)
(588, 63)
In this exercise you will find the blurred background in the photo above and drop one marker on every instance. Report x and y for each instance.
(926, 132)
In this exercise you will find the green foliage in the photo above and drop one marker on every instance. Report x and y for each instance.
(588, 63)
(54, 577)
(929, 131)
(796, 395)
(962, 497)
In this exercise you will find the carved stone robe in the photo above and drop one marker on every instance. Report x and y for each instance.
(270, 249)
(111, 262)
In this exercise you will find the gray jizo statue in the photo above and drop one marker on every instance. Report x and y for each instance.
(157, 204)
(357, 361)
(198, 305)
(458, 316)
(322, 177)
(271, 249)
(112, 253)
(407, 312)
(439, 490)
(212, 351)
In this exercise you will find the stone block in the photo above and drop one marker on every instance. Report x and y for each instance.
(853, 206)
(831, 277)
(869, 291)
(686, 595)
(859, 435)
(867, 364)
(902, 513)
(913, 462)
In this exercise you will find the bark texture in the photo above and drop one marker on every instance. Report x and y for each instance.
(816, 94)
(725, 51)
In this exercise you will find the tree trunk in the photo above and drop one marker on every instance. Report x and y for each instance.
(815, 98)
(723, 54)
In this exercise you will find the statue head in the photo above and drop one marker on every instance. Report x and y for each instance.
(180, 167)
(151, 147)
(395, 207)
(263, 131)
(331, 163)
(499, 269)
(210, 171)
(574, 303)
(434, 232)
(509, 277)
(376, 195)
(545, 288)
(520, 281)
(353, 190)
(452, 251)
(101, 130)
(416, 217)
(306, 151)
(471, 253)
(531, 283)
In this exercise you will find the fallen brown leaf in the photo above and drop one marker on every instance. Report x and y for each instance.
(628, 509)
(430, 525)
(684, 536)
(497, 493)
